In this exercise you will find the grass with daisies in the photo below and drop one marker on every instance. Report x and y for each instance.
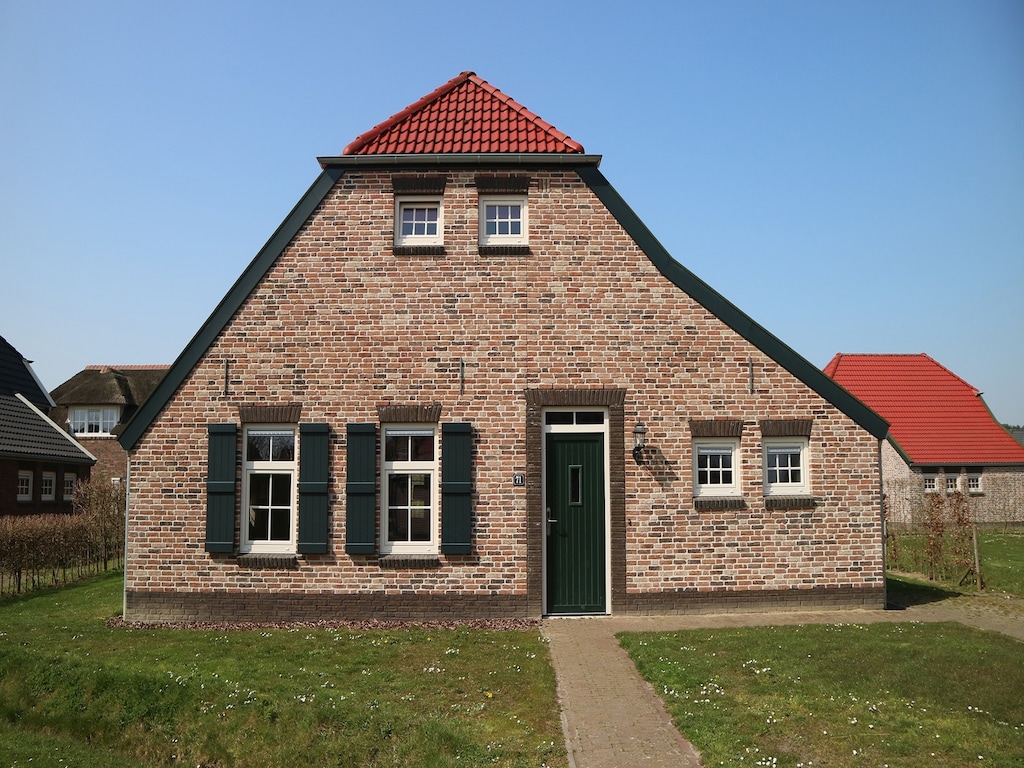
(903, 695)
(77, 692)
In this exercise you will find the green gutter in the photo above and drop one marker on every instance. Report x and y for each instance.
(482, 159)
(728, 312)
(230, 304)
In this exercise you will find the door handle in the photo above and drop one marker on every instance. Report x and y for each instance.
(549, 520)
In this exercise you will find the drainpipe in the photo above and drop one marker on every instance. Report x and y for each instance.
(881, 514)
(127, 506)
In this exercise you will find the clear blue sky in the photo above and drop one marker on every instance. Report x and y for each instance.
(850, 174)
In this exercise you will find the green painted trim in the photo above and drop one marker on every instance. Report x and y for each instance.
(728, 312)
(472, 159)
(230, 304)
(899, 449)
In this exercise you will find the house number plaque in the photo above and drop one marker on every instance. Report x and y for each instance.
(518, 479)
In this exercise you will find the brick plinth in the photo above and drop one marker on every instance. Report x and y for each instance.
(239, 607)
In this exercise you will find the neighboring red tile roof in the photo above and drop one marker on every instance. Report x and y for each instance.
(935, 416)
(465, 115)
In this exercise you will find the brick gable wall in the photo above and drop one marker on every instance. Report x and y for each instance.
(342, 326)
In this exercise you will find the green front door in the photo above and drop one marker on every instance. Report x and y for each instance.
(575, 524)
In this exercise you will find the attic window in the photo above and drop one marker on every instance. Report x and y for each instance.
(503, 229)
(94, 421)
(502, 220)
(418, 221)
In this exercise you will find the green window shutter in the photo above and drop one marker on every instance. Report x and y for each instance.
(314, 476)
(220, 487)
(361, 490)
(456, 488)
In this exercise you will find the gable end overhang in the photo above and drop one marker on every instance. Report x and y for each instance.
(899, 450)
(728, 312)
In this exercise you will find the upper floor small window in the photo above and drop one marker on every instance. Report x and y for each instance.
(418, 221)
(503, 220)
(70, 481)
(974, 483)
(24, 485)
(952, 483)
(94, 420)
(929, 483)
(715, 468)
(785, 466)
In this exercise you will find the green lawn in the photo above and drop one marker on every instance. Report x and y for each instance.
(76, 692)
(1002, 561)
(903, 695)
(1001, 555)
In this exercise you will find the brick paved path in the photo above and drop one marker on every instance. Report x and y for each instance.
(613, 719)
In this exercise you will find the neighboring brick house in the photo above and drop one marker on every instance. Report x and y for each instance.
(463, 379)
(95, 404)
(942, 438)
(39, 462)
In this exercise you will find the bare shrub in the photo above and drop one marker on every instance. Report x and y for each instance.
(43, 550)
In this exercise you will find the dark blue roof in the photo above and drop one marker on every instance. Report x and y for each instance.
(16, 377)
(25, 433)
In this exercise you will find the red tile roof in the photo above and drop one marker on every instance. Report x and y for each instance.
(465, 115)
(935, 416)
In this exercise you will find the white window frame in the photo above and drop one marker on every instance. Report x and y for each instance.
(70, 480)
(786, 445)
(286, 469)
(520, 238)
(48, 486)
(930, 482)
(722, 446)
(410, 467)
(974, 485)
(25, 477)
(952, 483)
(404, 202)
(83, 418)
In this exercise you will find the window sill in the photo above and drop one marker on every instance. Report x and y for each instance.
(504, 250)
(790, 502)
(719, 502)
(418, 250)
(268, 561)
(409, 561)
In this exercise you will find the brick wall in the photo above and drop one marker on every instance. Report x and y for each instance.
(111, 459)
(9, 504)
(342, 325)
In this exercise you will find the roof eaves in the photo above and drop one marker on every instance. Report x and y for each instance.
(728, 312)
(230, 304)
(899, 449)
(56, 427)
(522, 159)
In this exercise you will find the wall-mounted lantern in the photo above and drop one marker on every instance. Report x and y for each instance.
(639, 440)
